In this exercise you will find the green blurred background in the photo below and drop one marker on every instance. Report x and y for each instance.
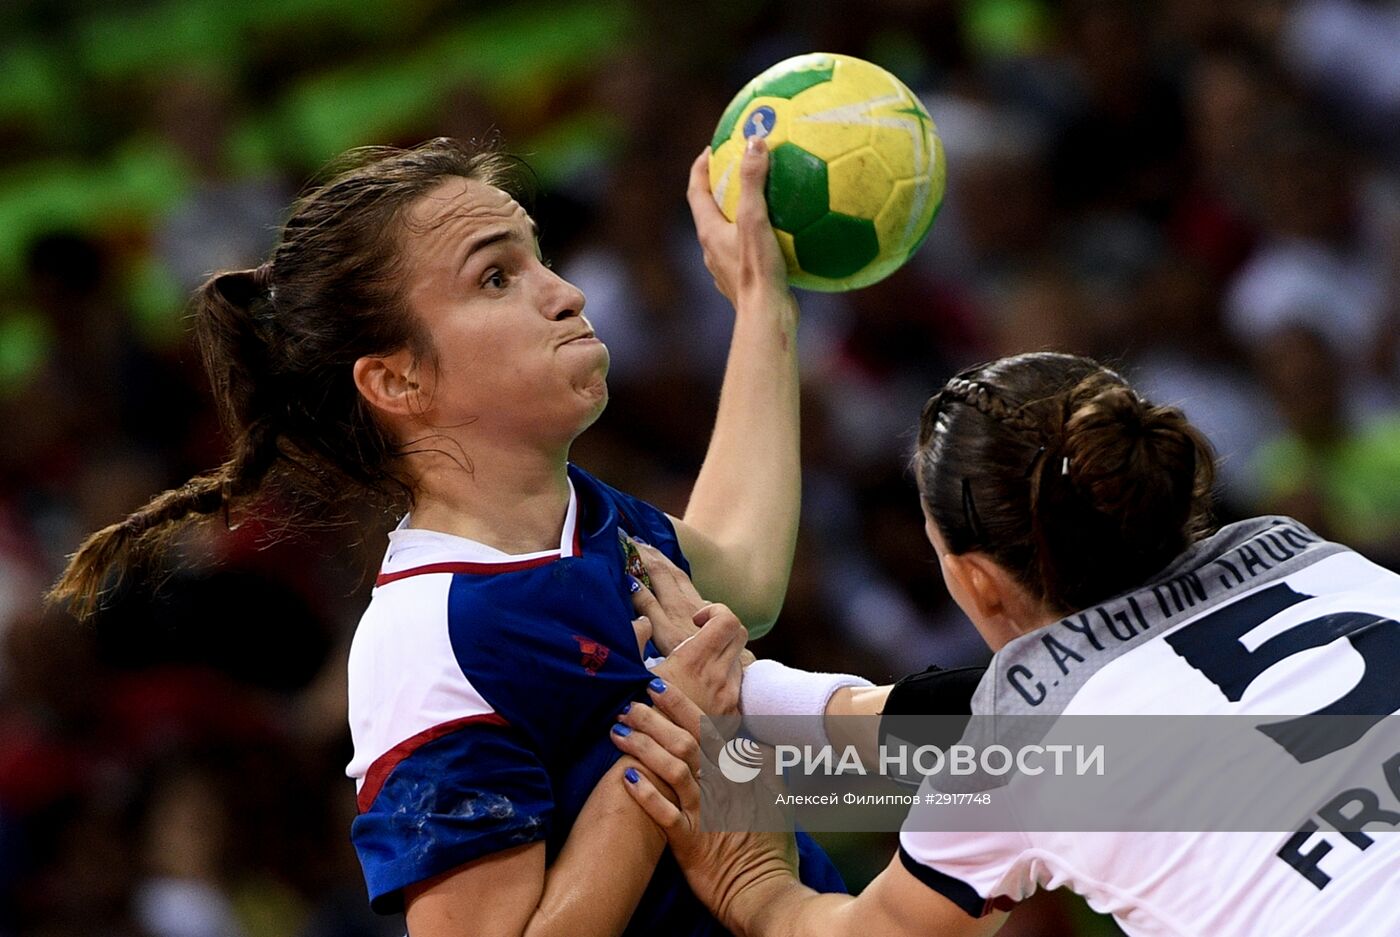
(1205, 194)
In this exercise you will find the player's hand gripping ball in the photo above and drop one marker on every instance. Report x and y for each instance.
(856, 173)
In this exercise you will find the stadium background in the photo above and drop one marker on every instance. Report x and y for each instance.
(1206, 193)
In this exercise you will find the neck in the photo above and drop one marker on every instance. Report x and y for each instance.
(1003, 628)
(1032, 621)
(511, 500)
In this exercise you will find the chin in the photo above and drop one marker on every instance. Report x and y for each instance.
(590, 391)
(594, 386)
(597, 395)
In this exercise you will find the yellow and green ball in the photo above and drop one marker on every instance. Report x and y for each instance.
(856, 171)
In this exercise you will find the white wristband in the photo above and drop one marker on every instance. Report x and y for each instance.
(773, 689)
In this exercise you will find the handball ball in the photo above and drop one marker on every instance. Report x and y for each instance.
(856, 169)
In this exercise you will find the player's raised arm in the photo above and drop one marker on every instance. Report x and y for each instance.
(740, 526)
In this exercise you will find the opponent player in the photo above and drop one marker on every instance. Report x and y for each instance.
(1050, 487)
(406, 342)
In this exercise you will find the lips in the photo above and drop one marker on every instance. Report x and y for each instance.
(585, 336)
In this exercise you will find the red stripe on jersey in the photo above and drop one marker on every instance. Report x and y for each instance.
(384, 765)
(478, 569)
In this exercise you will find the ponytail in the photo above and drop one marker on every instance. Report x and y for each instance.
(224, 309)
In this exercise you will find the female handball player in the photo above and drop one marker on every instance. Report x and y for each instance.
(1058, 500)
(406, 343)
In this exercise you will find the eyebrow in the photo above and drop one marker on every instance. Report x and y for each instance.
(496, 237)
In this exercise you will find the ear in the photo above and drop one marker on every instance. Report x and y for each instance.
(995, 603)
(390, 382)
(974, 584)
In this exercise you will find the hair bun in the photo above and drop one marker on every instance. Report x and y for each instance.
(1051, 465)
(1132, 461)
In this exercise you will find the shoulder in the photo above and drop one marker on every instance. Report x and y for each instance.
(1132, 636)
(1137, 651)
(403, 627)
(447, 643)
(403, 677)
(634, 516)
(601, 494)
(406, 675)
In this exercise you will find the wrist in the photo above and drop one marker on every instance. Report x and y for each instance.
(773, 689)
(767, 298)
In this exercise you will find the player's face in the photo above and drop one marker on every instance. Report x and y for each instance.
(513, 356)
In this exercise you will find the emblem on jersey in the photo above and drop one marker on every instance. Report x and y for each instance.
(595, 654)
(632, 560)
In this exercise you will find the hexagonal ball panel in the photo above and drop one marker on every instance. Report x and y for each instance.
(858, 184)
(836, 245)
(797, 187)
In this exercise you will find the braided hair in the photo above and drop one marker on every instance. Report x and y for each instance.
(1057, 469)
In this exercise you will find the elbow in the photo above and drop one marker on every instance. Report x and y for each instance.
(759, 626)
(761, 612)
(764, 601)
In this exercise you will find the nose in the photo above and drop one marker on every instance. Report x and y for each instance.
(566, 300)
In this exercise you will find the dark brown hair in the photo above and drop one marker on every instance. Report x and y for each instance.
(1053, 466)
(279, 343)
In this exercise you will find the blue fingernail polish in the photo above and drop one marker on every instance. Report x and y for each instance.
(622, 730)
(633, 585)
(658, 685)
(631, 775)
(641, 541)
(627, 708)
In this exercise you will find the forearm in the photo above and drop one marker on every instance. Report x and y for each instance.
(852, 718)
(858, 700)
(895, 903)
(747, 496)
(612, 825)
(784, 907)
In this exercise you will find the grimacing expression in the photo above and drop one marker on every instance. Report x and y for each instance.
(512, 354)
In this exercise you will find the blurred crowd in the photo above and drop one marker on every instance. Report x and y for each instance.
(1204, 194)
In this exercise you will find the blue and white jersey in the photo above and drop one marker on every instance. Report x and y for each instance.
(483, 688)
(1264, 618)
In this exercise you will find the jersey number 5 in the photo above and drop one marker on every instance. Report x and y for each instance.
(1214, 645)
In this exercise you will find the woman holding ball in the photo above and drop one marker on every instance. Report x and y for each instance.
(406, 344)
